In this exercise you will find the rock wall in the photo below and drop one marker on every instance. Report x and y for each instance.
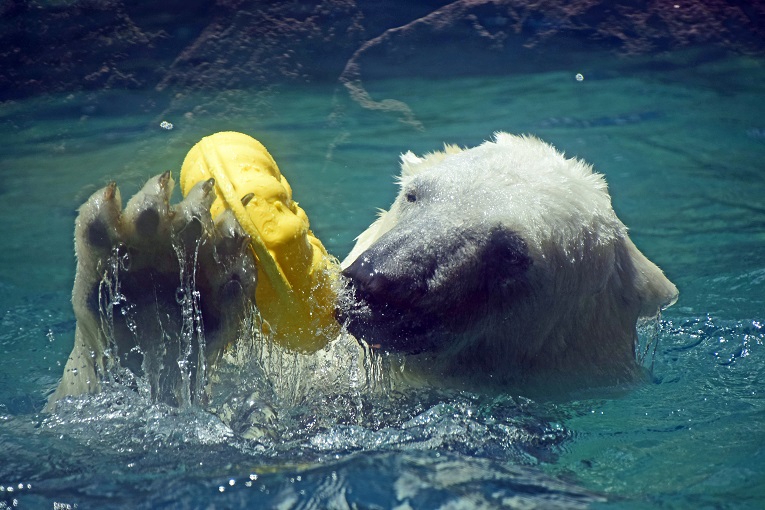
(176, 45)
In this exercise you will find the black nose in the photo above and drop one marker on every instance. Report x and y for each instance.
(369, 284)
(381, 286)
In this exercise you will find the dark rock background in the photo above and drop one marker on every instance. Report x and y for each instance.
(184, 45)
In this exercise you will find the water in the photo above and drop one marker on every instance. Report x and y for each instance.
(682, 148)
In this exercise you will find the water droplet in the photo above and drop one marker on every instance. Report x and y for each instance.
(125, 261)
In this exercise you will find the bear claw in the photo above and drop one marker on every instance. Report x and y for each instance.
(159, 290)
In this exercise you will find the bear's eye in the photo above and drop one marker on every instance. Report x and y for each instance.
(411, 196)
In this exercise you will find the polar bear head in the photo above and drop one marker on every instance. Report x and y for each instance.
(506, 258)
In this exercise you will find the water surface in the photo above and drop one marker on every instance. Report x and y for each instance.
(682, 148)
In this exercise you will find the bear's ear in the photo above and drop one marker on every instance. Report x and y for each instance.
(654, 290)
(412, 165)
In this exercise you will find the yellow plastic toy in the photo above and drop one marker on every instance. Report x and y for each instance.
(295, 293)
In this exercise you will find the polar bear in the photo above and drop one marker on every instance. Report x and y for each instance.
(497, 264)
(507, 262)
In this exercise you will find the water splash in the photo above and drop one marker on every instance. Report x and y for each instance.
(156, 348)
(191, 360)
(648, 341)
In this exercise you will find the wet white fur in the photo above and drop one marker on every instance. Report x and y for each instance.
(590, 283)
(559, 205)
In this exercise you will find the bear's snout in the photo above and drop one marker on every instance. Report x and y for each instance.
(413, 297)
(388, 287)
(377, 287)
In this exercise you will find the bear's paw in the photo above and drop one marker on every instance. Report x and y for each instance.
(160, 291)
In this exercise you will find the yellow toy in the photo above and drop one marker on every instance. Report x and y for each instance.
(295, 293)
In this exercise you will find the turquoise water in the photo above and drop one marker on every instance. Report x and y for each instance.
(682, 147)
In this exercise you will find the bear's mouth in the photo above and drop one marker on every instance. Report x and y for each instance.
(387, 327)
